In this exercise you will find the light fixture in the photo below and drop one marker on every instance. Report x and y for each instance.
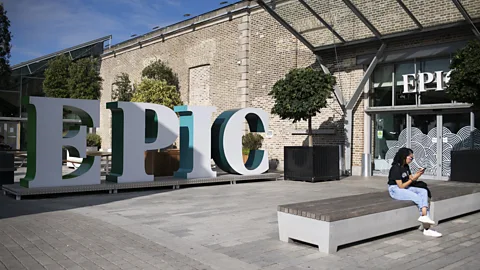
(187, 15)
(156, 27)
(134, 35)
(224, 2)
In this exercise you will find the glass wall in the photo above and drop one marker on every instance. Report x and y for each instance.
(414, 82)
(390, 135)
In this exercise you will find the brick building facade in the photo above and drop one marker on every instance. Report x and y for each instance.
(231, 57)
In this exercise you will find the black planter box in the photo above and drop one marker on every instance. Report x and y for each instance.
(7, 168)
(312, 164)
(464, 165)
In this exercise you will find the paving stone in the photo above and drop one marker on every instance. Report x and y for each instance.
(224, 227)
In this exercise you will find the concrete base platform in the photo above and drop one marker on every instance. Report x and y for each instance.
(18, 191)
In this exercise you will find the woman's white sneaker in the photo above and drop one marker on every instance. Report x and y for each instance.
(431, 233)
(426, 219)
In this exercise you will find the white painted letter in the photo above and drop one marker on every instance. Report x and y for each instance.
(195, 142)
(45, 141)
(407, 83)
(133, 133)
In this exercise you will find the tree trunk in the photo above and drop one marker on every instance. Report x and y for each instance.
(310, 136)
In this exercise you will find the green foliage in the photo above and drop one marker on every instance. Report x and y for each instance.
(158, 92)
(464, 84)
(123, 90)
(159, 70)
(5, 38)
(301, 94)
(94, 140)
(84, 81)
(67, 79)
(56, 77)
(252, 141)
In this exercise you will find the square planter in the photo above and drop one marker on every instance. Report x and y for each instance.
(463, 164)
(162, 163)
(312, 164)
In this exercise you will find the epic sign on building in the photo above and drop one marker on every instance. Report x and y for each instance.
(413, 83)
(133, 133)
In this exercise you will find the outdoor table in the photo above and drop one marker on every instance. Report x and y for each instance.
(105, 154)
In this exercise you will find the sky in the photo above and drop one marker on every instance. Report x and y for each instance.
(40, 27)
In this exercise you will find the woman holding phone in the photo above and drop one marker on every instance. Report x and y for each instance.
(400, 187)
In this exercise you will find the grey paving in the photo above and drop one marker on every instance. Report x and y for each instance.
(210, 227)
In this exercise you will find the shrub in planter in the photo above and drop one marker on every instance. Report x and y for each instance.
(250, 141)
(159, 85)
(94, 141)
(299, 97)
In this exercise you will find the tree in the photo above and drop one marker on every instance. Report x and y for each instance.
(5, 38)
(159, 70)
(84, 80)
(67, 79)
(57, 76)
(158, 92)
(301, 95)
(123, 90)
(464, 83)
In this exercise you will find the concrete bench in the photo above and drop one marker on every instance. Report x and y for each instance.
(331, 223)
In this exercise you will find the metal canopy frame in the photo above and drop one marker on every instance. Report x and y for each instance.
(378, 36)
(467, 17)
(328, 26)
(365, 21)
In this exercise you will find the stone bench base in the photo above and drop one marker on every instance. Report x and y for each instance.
(328, 236)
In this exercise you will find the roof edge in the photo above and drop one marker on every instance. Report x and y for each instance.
(51, 55)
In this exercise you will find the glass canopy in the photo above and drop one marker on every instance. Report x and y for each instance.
(322, 23)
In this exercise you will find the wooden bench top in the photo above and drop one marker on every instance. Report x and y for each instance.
(346, 207)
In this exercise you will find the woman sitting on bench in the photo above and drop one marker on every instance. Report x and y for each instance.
(400, 187)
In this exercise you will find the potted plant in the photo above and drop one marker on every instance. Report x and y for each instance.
(159, 86)
(299, 97)
(250, 141)
(94, 142)
(464, 86)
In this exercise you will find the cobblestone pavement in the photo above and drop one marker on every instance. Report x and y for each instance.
(210, 227)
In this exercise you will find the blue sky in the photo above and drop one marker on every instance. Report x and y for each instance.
(41, 27)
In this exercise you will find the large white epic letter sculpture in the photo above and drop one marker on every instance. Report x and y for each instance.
(45, 141)
(136, 128)
(227, 132)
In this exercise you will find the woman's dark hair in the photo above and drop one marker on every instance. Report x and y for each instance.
(401, 156)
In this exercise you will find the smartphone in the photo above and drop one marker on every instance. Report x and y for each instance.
(423, 169)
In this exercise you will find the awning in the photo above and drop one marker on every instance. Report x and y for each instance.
(322, 24)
